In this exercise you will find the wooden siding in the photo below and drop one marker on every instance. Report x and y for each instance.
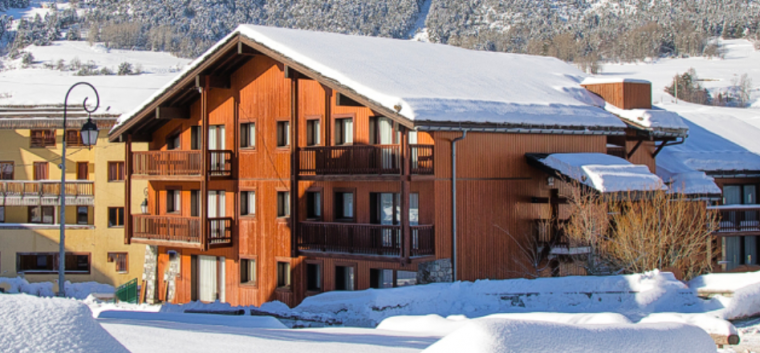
(624, 95)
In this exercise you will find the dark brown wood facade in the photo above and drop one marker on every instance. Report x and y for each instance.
(495, 185)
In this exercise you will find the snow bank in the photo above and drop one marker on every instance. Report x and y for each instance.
(724, 282)
(744, 303)
(201, 319)
(45, 289)
(634, 296)
(707, 322)
(604, 172)
(32, 324)
(505, 335)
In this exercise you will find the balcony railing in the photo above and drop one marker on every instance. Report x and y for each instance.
(36, 192)
(220, 163)
(182, 229)
(167, 163)
(364, 239)
(422, 159)
(342, 160)
(738, 219)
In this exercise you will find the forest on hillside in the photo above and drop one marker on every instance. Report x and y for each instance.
(580, 31)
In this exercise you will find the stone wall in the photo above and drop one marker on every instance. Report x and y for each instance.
(437, 271)
(150, 271)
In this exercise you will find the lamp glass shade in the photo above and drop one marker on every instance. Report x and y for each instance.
(89, 133)
(144, 206)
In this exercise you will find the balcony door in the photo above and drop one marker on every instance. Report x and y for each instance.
(216, 213)
(386, 210)
(383, 135)
(216, 143)
(210, 278)
(741, 250)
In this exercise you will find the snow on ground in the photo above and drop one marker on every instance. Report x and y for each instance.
(604, 172)
(505, 335)
(40, 85)
(724, 282)
(32, 324)
(79, 290)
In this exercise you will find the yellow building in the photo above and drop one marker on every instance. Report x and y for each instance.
(30, 155)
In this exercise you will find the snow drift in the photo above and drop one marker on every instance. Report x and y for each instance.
(32, 324)
(45, 289)
(506, 335)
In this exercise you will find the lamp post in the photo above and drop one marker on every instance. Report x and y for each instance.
(89, 138)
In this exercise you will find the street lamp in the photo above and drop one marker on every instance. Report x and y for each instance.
(89, 138)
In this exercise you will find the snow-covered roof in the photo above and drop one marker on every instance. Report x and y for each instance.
(680, 178)
(604, 172)
(425, 82)
(658, 120)
(608, 80)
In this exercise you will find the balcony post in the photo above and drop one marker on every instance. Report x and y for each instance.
(405, 186)
(127, 190)
(204, 164)
(294, 162)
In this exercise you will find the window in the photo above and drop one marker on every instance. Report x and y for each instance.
(82, 215)
(283, 204)
(76, 263)
(406, 278)
(116, 216)
(173, 201)
(313, 132)
(40, 171)
(195, 205)
(2, 214)
(74, 138)
(195, 138)
(283, 275)
(120, 259)
(248, 271)
(314, 205)
(247, 203)
(42, 138)
(248, 135)
(173, 141)
(41, 214)
(313, 277)
(6, 170)
(344, 278)
(283, 133)
(344, 131)
(381, 131)
(83, 170)
(380, 278)
(115, 171)
(344, 206)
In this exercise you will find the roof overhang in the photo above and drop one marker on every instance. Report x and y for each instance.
(516, 129)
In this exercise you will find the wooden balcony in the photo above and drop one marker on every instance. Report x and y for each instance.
(363, 239)
(46, 193)
(351, 160)
(422, 159)
(178, 165)
(180, 231)
(738, 220)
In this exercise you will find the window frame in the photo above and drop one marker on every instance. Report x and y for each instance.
(86, 215)
(356, 274)
(86, 169)
(341, 191)
(112, 257)
(120, 172)
(289, 266)
(48, 138)
(321, 281)
(286, 207)
(36, 166)
(174, 140)
(2, 214)
(117, 217)
(287, 144)
(321, 215)
(195, 137)
(247, 259)
(334, 129)
(54, 263)
(246, 143)
(13, 169)
(176, 200)
(77, 138)
(318, 134)
(42, 214)
(245, 210)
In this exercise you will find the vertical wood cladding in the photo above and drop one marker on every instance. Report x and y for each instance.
(624, 95)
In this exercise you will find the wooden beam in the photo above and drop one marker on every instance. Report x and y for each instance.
(294, 161)
(213, 82)
(245, 50)
(343, 101)
(638, 144)
(171, 113)
(128, 190)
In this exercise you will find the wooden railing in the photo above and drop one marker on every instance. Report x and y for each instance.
(219, 231)
(165, 228)
(739, 219)
(156, 163)
(47, 188)
(341, 160)
(220, 163)
(350, 238)
(423, 240)
(422, 159)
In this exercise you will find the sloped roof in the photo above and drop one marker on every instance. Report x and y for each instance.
(429, 83)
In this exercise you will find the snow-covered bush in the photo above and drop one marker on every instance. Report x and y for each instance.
(124, 69)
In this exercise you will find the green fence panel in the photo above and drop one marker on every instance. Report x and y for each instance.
(127, 292)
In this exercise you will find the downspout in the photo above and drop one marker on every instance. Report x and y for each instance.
(454, 203)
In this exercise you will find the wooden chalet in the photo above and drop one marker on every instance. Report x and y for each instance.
(284, 163)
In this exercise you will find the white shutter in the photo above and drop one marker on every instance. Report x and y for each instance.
(414, 209)
(207, 278)
(412, 137)
(348, 205)
(349, 130)
(222, 277)
(252, 202)
(318, 204)
(386, 131)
